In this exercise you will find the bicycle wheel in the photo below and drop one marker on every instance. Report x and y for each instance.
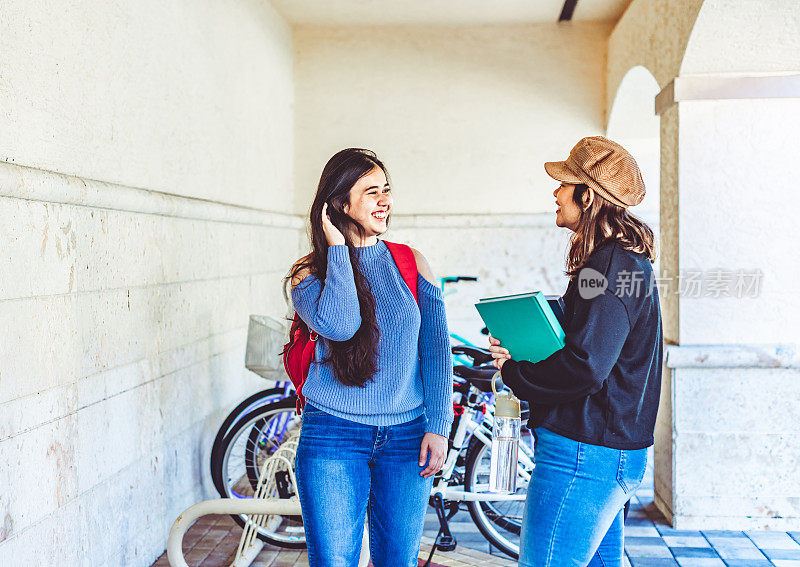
(500, 522)
(251, 440)
(258, 399)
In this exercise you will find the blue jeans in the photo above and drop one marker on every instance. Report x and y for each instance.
(573, 511)
(345, 469)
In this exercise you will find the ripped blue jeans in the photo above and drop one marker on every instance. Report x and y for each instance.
(345, 469)
(573, 512)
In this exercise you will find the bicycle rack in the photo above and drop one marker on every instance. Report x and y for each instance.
(281, 460)
(225, 506)
(259, 509)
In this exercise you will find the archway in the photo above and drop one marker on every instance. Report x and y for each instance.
(632, 122)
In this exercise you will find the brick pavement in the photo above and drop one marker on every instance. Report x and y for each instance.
(212, 542)
(649, 542)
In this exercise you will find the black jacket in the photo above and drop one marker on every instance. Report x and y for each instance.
(603, 387)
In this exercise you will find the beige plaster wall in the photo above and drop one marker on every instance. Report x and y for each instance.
(464, 117)
(130, 134)
(187, 97)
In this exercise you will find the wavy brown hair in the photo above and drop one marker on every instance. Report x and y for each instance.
(603, 221)
(354, 361)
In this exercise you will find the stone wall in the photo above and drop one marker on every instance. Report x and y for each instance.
(145, 180)
(122, 349)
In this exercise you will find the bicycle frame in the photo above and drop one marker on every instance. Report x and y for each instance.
(467, 428)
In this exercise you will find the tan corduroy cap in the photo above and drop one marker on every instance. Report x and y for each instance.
(603, 165)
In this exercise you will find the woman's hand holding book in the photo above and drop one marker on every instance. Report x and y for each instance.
(499, 353)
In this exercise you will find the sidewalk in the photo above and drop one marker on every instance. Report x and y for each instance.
(649, 542)
(212, 542)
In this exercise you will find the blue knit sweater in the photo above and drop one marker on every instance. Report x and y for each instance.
(414, 366)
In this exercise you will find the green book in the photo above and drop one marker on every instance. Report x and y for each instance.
(524, 323)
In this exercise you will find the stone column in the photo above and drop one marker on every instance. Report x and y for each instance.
(728, 435)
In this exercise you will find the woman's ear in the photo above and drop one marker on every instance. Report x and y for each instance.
(588, 198)
(345, 207)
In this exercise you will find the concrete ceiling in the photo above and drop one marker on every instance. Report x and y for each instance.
(442, 12)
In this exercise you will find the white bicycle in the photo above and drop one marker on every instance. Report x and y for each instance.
(465, 475)
(463, 481)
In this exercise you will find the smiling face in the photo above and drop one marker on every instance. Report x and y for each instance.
(568, 213)
(370, 202)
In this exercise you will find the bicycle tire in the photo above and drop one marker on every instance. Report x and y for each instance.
(240, 410)
(244, 428)
(480, 511)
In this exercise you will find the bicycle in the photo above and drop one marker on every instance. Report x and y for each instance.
(237, 461)
(265, 336)
(497, 517)
(257, 435)
(455, 338)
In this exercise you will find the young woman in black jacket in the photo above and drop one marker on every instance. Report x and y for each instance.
(593, 402)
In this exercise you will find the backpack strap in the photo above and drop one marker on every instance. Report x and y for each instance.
(407, 264)
(298, 323)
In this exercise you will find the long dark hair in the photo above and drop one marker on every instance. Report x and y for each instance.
(354, 361)
(602, 221)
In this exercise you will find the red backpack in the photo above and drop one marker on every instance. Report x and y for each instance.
(298, 353)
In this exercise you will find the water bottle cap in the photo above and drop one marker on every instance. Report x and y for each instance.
(506, 405)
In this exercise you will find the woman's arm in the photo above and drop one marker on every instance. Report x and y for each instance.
(595, 337)
(434, 352)
(331, 310)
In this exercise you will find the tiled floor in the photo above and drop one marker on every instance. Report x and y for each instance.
(649, 542)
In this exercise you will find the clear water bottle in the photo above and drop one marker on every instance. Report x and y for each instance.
(505, 441)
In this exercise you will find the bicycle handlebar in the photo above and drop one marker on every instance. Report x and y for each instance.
(478, 355)
(454, 279)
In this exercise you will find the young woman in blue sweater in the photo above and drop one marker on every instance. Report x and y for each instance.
(379, 394)
(593, 402)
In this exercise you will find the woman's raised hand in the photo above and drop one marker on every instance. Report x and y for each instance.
(332, 234)
(499, 353)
